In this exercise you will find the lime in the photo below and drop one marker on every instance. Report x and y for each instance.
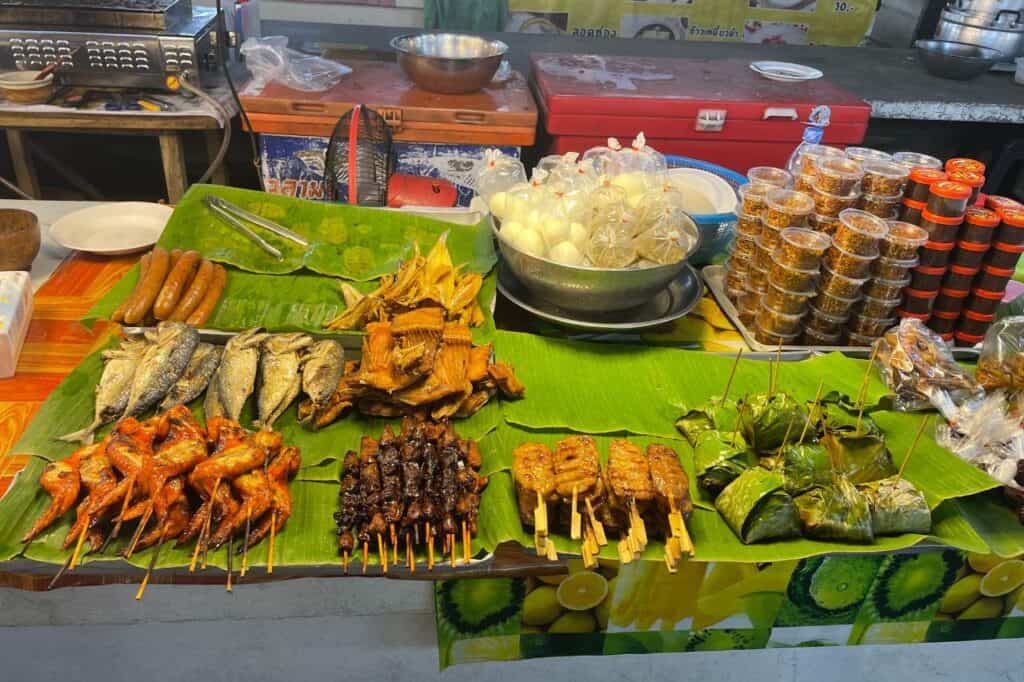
(983, 563)
(1003, 578)
(582, 591)
(984, 609)
(541, 606)
(484, 649)
(552, 579)
(573, 622)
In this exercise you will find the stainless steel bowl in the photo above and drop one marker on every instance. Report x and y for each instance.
(588, 289)
(957, 61)
(449, 63)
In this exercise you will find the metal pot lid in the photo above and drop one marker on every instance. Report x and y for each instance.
(1004, 21)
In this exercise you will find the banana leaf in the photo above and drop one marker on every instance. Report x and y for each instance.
(837, 511)
(769, 420)
(351, 242)
(991, 517)
(757, 507)
(716, 414)
(805, 466)
(861, 458)
(719, 458)
(836, 413)
(897, 507)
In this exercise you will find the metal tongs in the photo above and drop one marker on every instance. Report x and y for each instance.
(233, 216)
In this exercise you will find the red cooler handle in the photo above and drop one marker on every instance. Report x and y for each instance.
(780, 112)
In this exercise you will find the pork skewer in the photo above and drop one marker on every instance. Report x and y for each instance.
(672, 496)
(630, 491)
(534, 474)
(578, 474)
(349, 515)
(373, 518)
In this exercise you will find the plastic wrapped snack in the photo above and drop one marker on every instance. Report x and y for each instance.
(829, 204)
(851, 265)
(903, 240)
(500, 173)
(919, 368)
(748, 224)
(778, 323)
(884, 207)
(787, 208)
(811, 153)
(1001, 364)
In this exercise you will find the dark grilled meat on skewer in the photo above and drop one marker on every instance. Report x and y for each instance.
(349, 516)
(390, 464)
(534, 473)
(370, 485)
(627, 480)
(412, 480)
(449, 488)
(431, 488)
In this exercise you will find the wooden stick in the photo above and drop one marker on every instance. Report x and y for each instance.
(732, 373)
(773, 371)
(624, 549)
(394, 544)
(862, 393)
(382, 552)
(685, 541)
(466, 541)
(60, 573)
(540, 524)
(410, 562)
(415, 534)
(366, 557)
(814, 406)
(149, 569)
(430, 546)
(138, 531)
(78, 545)
(451, 545)
(596, 525)
(344, 560)
(202, 533)
(120, 517)
(552, 552)
(910, 451)
(575, 517)
(231, 538)
(245, 540)
(270, 549)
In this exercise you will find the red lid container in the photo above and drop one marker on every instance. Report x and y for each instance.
(969, 254)
(919, 181)
(941, 228)
(1004, 256)
(979, 224)
(999, 203)
(963, 164)
(974, 324)
(919, 302)
(948, 199)
(1011, 231)
(917, 316)
(985, 302)
(963, 339)
(959, 278)
(947, 337)
(925, 278)
(935, 254)
(943, 322)
(993, 279)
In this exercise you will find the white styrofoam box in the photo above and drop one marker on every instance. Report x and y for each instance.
(15, 315)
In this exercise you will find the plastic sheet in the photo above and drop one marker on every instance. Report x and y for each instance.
(1001, 364)
(270, 59)
(987, 432)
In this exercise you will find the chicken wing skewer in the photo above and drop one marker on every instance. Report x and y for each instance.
(62, 482)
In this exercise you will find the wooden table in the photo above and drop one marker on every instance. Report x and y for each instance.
(168, 128)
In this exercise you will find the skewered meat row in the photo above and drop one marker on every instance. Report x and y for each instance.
(407, 488)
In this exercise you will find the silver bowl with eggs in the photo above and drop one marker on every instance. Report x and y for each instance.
(590, 289)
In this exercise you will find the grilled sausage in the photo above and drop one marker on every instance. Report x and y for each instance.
(180, 276)
(201, 314)
(193, 296)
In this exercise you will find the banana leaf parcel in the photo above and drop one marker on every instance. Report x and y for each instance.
(837, 511)
(805, 466)
(717, 414)
(719, 458)
(757, 507)
(861, 457)
(767, 419)
(897, 506)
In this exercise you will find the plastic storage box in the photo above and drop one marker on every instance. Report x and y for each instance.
(15, 315)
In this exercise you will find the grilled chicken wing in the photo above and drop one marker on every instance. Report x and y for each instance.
(62, 482)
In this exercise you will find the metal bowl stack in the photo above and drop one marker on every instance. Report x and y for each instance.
(957, 61)
(991, 24)
(449, 63)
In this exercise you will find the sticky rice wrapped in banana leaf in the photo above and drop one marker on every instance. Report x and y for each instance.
(766, 420)
(837, 414)
(897, 506)
(835, 512)
(861, 458)
(720, 457)
(715, 415)
(805, 466)
(757, 507)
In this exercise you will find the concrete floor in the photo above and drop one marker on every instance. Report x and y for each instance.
(369, 629)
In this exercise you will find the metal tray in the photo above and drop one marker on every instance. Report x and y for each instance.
(714, 277)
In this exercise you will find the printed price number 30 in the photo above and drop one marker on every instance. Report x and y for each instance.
(844, 7)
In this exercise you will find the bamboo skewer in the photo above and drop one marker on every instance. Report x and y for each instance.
(540, 523)
(270, 548)
(862, 393)
(149, 569)
(814, 406)
(913, 445)
(575, 518)
(451, 547)
(466, 542)
(138, 531)
(394, 543)
(732, 373)
(120, 517)
(366, 550)
(60, 573)
(595, 525)
(78, 545)
(773, 371)
(245, 541)
(344, 561)
(430, 546)
(409, 559)
(201, 540)
(227, 586)
(381, 552)
(622, 547)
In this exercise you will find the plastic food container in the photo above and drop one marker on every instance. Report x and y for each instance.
(801, 248)
(752, 197)
(776, 177)
(769, 338)
(860, 232)
(936, 254)
(826, 323)
(738, 264)
(834, 305)
(826, 224)
(985, 302)
(969, 254)
(914, 160)
(771, 236)
(965, 340)
(939, 228)
(776, 322)
(963, 164)
(1000, 203)
(763, 256)
(787, 208)
(886, 289)
(793, 279)
(948, 199)
(1004, 256)
(979, 225)
(830, 204)
(969, 178)
(810, 154)
(974, 324)
(813, 337)
(919, 302)
(924, 317)
(887, 268)
(884, 178)
(949, 301)
(880, 308)
(860, 340)
(870, 326)
(744, 246)
(924, 278)
(804, 183)
(863, 154)
(783, 301)
(748, 224)
(1011, 230)
(837, 175)
(735, 284)
(884, 207)
(942, 322)
(758, 280)
(911, 211)
(839, 285)
(903, 240)
(959, 278)
(919, 182)
(993, 279)
(852, 265)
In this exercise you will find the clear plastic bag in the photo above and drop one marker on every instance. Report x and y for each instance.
(918, 366)
(1001, 364)
(987, 432)
(270, 59)
(500, 173)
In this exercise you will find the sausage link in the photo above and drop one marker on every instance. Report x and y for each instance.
(118, 315)
(142, 299)
(180, 276)
(213, 293)
(191, 299)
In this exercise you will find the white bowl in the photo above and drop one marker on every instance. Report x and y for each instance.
(23, 80)
(112, 229)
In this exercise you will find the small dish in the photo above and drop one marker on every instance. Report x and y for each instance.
(112, 229)
(786, 71)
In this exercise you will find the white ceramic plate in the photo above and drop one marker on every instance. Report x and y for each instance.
(112, 229)
(786, 71)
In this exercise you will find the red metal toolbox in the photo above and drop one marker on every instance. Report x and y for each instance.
(716, 110)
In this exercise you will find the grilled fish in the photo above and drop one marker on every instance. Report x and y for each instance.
(280, 375)
(322, 369)
(113, 388)
(173, 344)
(233, 382)
(197, 375)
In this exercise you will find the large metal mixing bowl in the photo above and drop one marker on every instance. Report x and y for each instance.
(449, 63)
(589, 289)
(957, 61)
